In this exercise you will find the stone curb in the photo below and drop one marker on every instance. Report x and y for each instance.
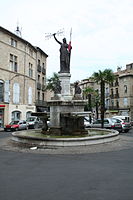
(65, 142)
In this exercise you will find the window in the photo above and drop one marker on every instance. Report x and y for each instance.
(30, 70)
(112, 93)
(13, 63)
(16, 93)
(43, 96)
(38, 78)
(43, 64)
(1, 117)
(112, 103)
(30, 95)
(16, 115)
(13, 42)
(38, 62)
(117, 103)
(38, 95)
(125, 102)
(107, 103)
(125, 88)
(31, 52)
(43, 83)
(107, 92)
(28, 114)
(117, 93)
(116, 82)
(1, 91)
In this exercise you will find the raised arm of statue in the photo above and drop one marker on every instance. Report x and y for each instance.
(56, 39)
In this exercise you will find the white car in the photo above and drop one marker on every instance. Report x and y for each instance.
(109, 123)
(125, 122)
(34, 122)
(87, 122)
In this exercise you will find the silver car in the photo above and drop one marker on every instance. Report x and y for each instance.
(34, 122)
(110, 123)
(126, 125)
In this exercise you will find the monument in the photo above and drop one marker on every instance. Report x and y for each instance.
(65, 109)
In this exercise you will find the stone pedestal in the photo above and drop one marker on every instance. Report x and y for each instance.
(65, 85)
(58, 123)
(63, 107)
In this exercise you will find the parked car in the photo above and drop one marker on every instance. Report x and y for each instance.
(16, 125)
(110, 123)
(34, 122)
(87, 122)
(125, 122)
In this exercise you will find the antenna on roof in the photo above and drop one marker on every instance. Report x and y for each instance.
(18, 31)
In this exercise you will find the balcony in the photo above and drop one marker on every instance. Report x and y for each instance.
(43, 87)
(39, 86)
(116, 83)
(40, 103)
(43, 70)
(39, 68)
(116, 95)
(113, 107)
(112, 96)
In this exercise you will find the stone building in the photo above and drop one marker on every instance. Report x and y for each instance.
(21, 65)
(118, 95)
(121, 92)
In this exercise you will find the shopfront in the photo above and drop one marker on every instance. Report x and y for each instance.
(2, 115)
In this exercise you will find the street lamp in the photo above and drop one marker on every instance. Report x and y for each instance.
(13, 77)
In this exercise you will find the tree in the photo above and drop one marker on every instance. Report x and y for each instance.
(103, 77)
(54, 83)
(92, 96)
(88, 92)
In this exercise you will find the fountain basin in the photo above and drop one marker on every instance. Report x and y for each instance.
(35, 137)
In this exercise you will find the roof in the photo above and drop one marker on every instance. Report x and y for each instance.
(22, 40)
(38, 49)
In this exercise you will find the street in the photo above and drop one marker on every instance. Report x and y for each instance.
(100, 175)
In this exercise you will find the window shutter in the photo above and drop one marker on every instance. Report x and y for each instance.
(30, 95)
(6, 92)
(16, 93)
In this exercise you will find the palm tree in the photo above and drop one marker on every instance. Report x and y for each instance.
(52, 82)
(88, 93)
(103, 77)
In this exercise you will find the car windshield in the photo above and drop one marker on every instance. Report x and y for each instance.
(86, 119)
(14, 122)
(115, 120)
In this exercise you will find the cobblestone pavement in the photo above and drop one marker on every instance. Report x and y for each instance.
(125, 142)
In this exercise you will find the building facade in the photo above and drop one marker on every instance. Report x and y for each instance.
(121, 93)
(18, 76)
(118, 95)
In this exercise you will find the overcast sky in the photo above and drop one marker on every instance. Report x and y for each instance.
(102, 31)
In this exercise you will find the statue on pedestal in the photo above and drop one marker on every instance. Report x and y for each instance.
(65, 53)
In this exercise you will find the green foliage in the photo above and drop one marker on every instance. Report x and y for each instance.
(103, 77)
(52, 82)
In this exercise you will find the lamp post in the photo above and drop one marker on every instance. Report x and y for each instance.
(13, 77)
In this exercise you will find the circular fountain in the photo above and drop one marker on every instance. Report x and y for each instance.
(36, 138)
(66, 122)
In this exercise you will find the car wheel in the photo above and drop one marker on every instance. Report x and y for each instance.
(126, 131)
(16, 129)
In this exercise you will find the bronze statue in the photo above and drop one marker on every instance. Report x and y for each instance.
(65, 52)
(77, 88)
